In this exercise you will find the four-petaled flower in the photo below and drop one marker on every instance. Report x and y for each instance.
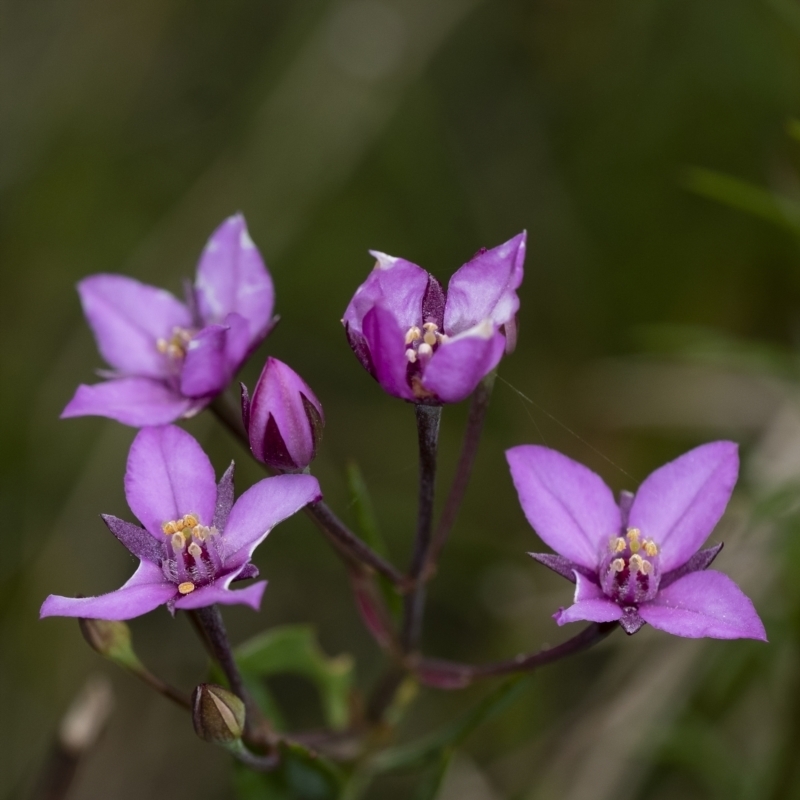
(427, 347)
(195, 539)
(638, 561)
(170, 359)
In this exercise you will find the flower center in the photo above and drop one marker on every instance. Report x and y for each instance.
(196, 553)
(175, 347)
(422, 343)
(629, 571)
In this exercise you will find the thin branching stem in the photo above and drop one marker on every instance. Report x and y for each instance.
(442, 674)
(466, 461)
(428, 419)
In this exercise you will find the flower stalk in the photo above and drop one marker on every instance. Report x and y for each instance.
(428, 419)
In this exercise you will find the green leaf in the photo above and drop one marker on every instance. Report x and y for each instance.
(293, 649)
(745, 196)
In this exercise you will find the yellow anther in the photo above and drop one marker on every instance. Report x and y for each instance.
(431, 327)
(199, 532)
(169, 528)
(637, 563)
(430, 338)
(187, 587)
(194, 550)
(190, 521)
(178, 542)
(618, 564)
(425, 350)
(647, 567)
(650, 547)
(413, 334)
(617, 544)
(411, 355)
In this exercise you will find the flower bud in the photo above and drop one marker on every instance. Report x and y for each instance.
(283, 419)
(218, 714)
(111, 639)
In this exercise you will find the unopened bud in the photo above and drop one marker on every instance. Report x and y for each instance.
(111, 639)
(218, 714)
(283, 419)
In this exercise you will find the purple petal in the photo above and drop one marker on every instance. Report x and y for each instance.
(485, 287)
(232, 277)
(704, 604)
(568, 506)
(433, 302)
(168, 476)
(460, 363)
(218, 593)
(224, 499)
(386, 342)
(147, 589)
(247, 571)
(127, 318)
(131, 401)
(245, 406)
(702, 559)
(631, 621)
(260, 509)
(396, 284)
(679, 504)
(358, 344)
(205, 368)
(280, 426)
(590, 605)
(136, 539)
(237, 343)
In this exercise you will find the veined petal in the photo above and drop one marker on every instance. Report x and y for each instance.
(260, 509)
(131, 401)
(145, 590)
(218, 592)
(590, 604)
(127, 318)
(396, 284)
(567, 504)
(386, 343)
(169, 476)
(679, 504)
(461, 362)
(205, 368)
(232, 277)
(486, 287)
(138, 541)
(704, 604)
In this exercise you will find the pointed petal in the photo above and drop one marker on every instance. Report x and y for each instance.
(679, 504)
(224, 499)
(168, 476)
(232, 277)
(486, 287)
(704, 604)
(127, 318)
(147, 589)
(563, 566)
(568, 506)
(281, 429)
(260, 509)
(590, 605)
(205, 368)
(131, 401)
(218, 593)
(702, 559)
(247, 571)
(396, 284)
(386, 342)
(460, 363)
(139, 541)
(631, 621)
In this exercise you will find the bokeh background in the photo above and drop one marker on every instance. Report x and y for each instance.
(653, 318)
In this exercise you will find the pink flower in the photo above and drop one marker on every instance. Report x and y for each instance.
(638, 561)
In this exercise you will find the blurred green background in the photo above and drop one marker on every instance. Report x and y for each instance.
(427, 130)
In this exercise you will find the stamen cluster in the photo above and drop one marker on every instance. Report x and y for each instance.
(630, 573)
(197, 558)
